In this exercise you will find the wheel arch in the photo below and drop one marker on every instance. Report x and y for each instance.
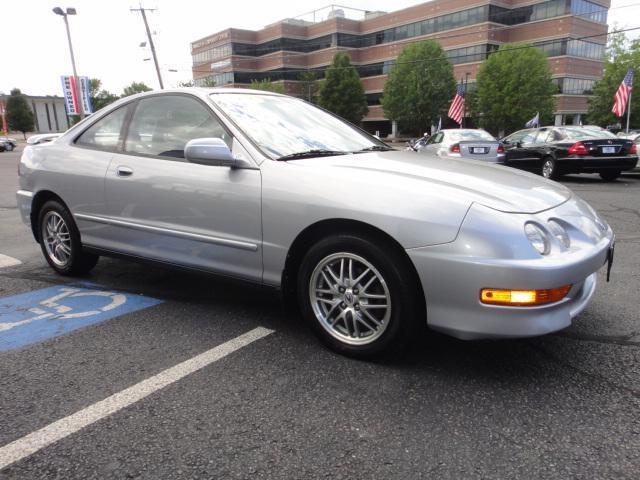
(323, 228)
(39, 199)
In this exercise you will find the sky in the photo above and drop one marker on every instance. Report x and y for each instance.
(106, 36)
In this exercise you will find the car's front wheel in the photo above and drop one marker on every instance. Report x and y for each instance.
(610, 176)
(360, 298)
(9, 147)
(60, 241)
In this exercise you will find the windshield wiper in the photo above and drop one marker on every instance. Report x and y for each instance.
(311, 153)
(375, 148)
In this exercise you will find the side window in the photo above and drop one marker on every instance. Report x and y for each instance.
(546, 136)
(437, 138)
(161, 126)
(529, 137)
(106, 133)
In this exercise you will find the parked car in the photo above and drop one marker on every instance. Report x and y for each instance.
(555, 151)
(372, 242)
(9, 144)
(458, 143)
(634, 136)
(42, 138)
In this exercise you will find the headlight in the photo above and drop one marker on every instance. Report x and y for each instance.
(537, 237)
(560, 233)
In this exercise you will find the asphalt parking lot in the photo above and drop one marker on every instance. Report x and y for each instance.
(175, 375)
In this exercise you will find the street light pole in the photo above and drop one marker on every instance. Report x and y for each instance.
(464, 105)
(151, 45)
(72, 11)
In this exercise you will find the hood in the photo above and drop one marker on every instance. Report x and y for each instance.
(494, 186)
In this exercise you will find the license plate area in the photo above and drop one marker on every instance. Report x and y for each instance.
(479, 150)
(608, 149)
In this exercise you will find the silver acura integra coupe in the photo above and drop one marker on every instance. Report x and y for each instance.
(372, 242)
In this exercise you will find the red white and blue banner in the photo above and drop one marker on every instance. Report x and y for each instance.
(70, 92)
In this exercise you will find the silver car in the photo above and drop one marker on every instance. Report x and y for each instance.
(470, 143)
(372, 243)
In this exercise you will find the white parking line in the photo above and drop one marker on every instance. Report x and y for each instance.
(28, 445)
(7, 261)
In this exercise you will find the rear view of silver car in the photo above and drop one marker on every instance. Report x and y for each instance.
(474, 144)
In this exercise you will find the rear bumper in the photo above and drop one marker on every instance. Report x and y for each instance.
(598, 164)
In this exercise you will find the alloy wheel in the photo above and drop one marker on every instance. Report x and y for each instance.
(350, 298)
(548, 168)
(56, 238)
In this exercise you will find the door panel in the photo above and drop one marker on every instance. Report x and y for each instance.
(188, 214)
(85, 167)
(160, 206)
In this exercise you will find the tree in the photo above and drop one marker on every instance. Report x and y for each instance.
(342, 92)
(188, 83)
(99, 97)
(419, 87)
(19, 116)
(308, 86)
(267, 85)
(135, 87)
(620, 57)
(512, 85)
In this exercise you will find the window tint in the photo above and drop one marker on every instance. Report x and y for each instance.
(470, 135)
(106, 133)
(437, 138)
(578, 133)
(524, 136)
(163, 125)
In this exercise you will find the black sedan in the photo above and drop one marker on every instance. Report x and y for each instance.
(555, 151)
(9, 144)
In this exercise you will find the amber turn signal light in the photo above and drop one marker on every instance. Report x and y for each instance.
(522, 298)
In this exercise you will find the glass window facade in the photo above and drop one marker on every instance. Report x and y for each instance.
(588, 10)
(212, 54)
(576, 48)
(471, 16)
(574, 86)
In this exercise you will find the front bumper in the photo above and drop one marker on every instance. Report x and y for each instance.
(24, 200)
(453, 274)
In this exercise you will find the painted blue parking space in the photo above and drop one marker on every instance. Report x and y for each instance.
(42, 314)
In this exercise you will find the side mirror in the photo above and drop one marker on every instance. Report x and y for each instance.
(209, 151)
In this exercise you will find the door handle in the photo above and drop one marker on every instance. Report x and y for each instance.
(123, 171)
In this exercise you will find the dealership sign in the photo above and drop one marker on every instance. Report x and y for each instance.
(70, 92)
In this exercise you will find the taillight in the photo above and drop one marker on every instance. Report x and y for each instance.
(578, 149)
(500, 149)
(633, 150)
(455, 148)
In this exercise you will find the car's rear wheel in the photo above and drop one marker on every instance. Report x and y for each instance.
(360, 298)
(60, 241)
(549, 168)
(610, 176)
(9, 147)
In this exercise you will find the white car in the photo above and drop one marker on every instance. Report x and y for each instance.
(454, 143)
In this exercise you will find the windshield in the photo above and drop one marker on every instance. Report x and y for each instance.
(585, 133)
(466, 135)
(283, 126)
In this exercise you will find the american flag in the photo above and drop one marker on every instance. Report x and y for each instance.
(457, 105)
(622, 95)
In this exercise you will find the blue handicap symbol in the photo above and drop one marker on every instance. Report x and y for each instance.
(36, 316)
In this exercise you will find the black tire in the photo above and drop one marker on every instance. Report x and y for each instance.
(610, 176)
(78, 262)
(549, 168)
(406, 312)
(9, 147)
